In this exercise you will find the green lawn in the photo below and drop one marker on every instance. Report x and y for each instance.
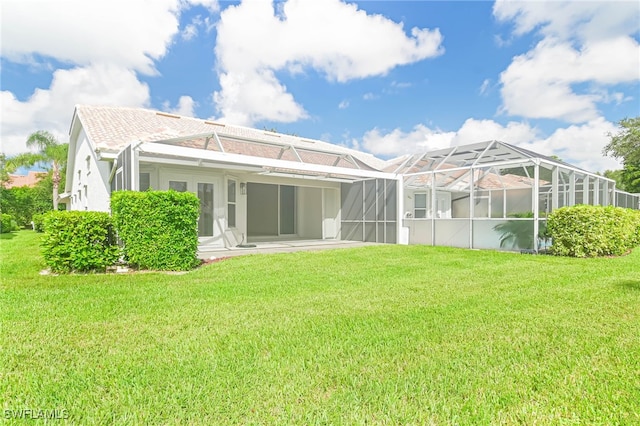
(376, 335)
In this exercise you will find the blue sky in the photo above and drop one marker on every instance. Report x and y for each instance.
(387, 77)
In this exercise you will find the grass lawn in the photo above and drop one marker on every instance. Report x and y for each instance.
(377, 335)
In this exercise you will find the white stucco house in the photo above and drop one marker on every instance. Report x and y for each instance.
(256, 185)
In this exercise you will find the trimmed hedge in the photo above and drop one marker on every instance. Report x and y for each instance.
(7, 223)
(590, 231)
(78, 241)
(158, 229)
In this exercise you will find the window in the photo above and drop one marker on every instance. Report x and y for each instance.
(144, 181)
(88, 164)
(420, 205)
(231, 203)
(179, 186)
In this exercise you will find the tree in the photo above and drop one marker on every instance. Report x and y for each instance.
(4, 172)
(625, 145)
(51, 155)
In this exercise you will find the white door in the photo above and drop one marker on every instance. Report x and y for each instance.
(209, 231)
(443, 205)
(330, 209)
(204, 191)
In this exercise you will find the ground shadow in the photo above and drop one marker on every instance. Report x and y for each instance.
(629, 284)
(7, 236)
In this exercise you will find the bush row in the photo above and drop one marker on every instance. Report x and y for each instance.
(589, 231)
(157, 230)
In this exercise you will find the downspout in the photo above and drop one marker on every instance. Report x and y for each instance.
(113, 170)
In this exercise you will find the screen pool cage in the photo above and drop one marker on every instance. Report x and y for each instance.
(494, 195)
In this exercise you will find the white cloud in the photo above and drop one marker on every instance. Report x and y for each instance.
(52, 109)
(400, 84)
(397, 142)
(255, 95)
(484, 87)
(132, 33)
(344, 104)
(107, 42)
(584, 20)
(186, 106)
(585, 48)
(580, 145)
(369, 96)
(334, 38)
(191, 30)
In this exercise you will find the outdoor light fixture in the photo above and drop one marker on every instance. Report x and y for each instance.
(243, 188)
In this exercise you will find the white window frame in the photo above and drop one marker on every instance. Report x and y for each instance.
(424, 209)
(233, 202)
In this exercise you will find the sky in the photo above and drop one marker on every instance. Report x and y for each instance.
(385, 77)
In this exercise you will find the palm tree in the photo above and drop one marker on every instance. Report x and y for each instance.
(519, 233)
(51, 155)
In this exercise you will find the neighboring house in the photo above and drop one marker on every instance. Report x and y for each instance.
(257, 185)
(30, 179)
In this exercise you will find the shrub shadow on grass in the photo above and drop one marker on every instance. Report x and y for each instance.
(629, 284)
(7, 236)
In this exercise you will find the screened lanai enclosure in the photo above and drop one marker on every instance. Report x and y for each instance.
(493, 195)
(261, 187)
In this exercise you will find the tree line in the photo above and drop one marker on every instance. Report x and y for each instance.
(22, 203)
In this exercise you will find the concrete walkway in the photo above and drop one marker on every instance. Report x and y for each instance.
(281, 247)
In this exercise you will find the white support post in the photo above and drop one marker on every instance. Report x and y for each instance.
(504, 203)
(399, 212)
(555, 176)
(585, 189)
(572, 188)
(596, 192)
(135, 167)
(433, 208)
(472, 193)
(536, 202)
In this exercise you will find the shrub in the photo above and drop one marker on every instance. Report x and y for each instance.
(7, 223)
(38, 222)
(78, 241)
(158, 229)
(589, 231)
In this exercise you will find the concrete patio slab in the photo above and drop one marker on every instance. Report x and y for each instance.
(281, 247)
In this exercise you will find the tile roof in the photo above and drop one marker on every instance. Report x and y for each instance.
(111, 128)
(30, 179)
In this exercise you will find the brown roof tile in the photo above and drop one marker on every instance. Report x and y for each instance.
(112, 128)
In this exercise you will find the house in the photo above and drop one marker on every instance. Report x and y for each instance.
(253, 185)
(30, 179)
(257, 185)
